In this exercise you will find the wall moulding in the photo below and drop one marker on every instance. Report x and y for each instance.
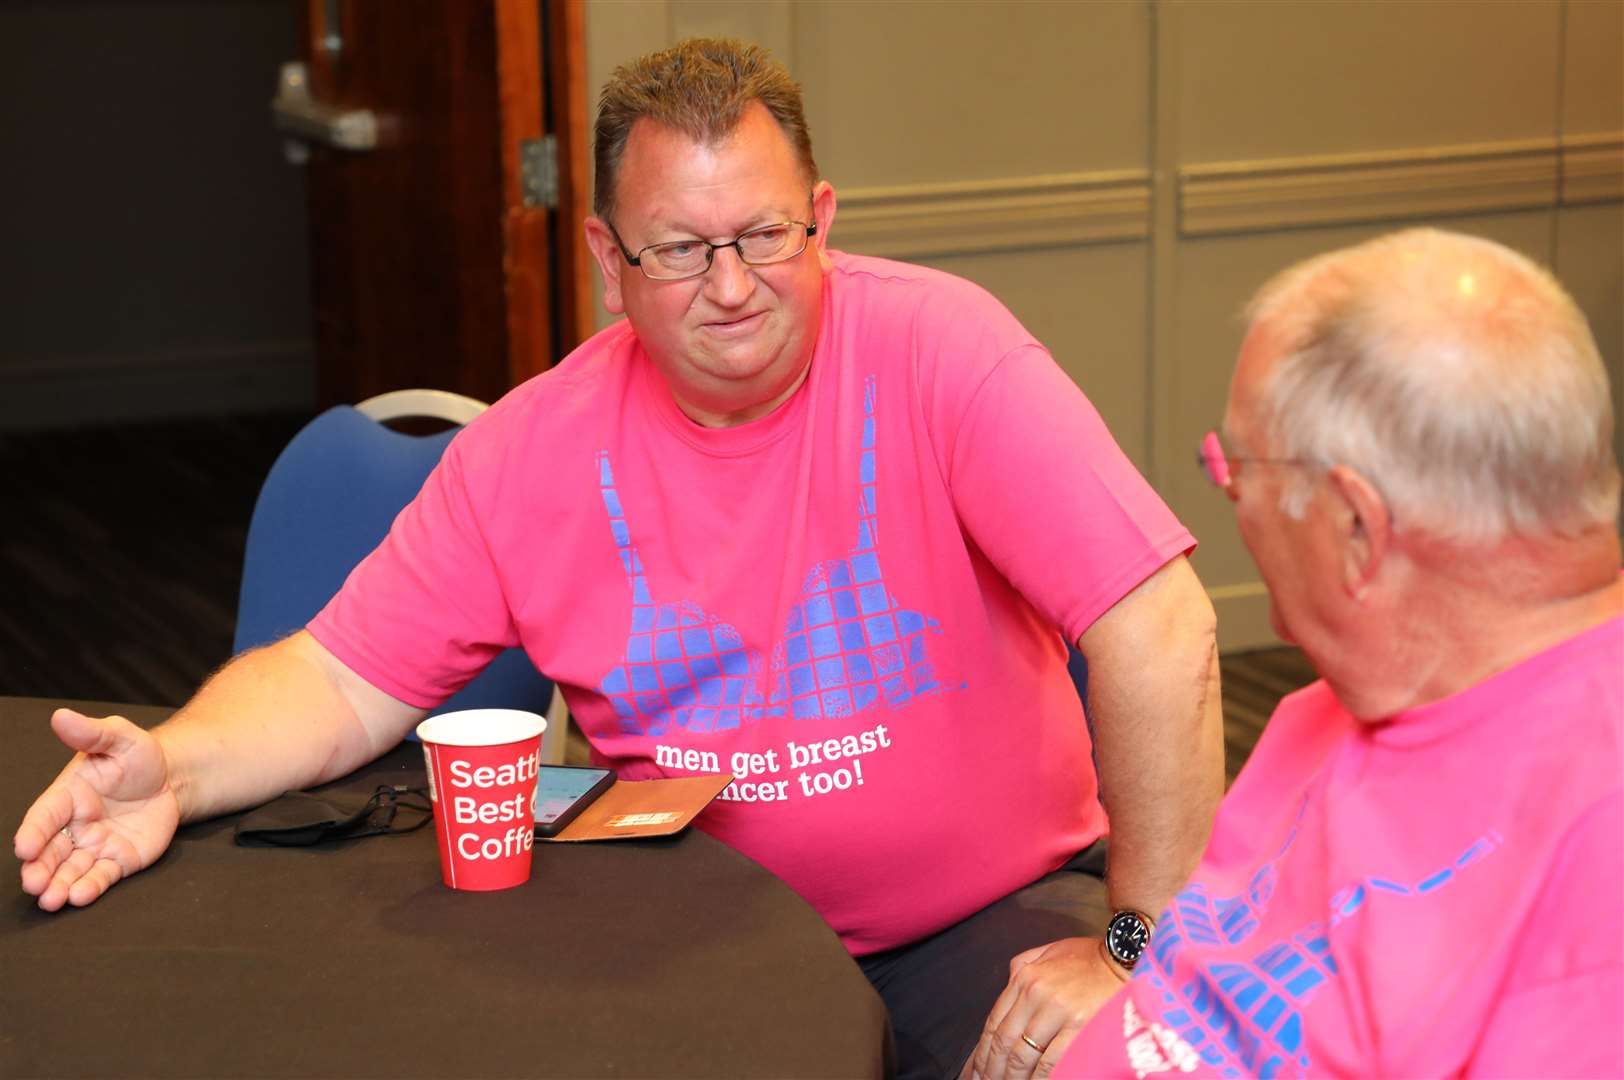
(1337, 189)
(969, 217)
(1593, 168)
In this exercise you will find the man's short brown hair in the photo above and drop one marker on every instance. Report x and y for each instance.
(700, 87)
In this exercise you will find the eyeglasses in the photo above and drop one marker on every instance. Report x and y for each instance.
(1217, 464)
(761, 246)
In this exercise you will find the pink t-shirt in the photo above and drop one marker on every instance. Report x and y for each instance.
(850, 604)
(1440, 894)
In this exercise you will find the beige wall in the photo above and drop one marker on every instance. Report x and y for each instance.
(1124, 174)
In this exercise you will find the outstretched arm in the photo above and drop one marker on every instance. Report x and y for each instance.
(287, 716)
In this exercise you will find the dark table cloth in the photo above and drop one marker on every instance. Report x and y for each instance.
(657, 958)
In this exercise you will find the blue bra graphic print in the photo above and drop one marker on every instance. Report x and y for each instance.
(1244, 1017)
(846, 645)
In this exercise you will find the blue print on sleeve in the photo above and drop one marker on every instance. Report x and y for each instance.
(846, 645)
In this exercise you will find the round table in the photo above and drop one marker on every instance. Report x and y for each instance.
(675, 957)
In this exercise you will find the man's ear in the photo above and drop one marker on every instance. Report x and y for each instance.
(1366, 528)
(823, 212)
(611, 262)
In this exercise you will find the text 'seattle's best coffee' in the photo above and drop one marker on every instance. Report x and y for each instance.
(482, 766)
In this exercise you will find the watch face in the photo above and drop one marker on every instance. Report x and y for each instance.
(1126, 936)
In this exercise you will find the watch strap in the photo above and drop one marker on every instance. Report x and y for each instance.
(1111, 962)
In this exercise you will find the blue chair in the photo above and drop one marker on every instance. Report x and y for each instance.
(328, 501)
(1077, 667)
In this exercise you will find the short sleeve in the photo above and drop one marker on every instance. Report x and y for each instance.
(425, 612)
(1047, 494)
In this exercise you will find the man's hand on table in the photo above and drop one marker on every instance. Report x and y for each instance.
(110, 813)
(1053, 991)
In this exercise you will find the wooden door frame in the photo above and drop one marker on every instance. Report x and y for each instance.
(515, 286)
(568, 94)
(534, 344)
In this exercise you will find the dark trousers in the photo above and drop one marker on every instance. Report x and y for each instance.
(940, 990)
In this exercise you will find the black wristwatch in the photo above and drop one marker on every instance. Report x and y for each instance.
(1126, 936)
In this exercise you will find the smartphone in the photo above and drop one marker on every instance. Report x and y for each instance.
(563, 791)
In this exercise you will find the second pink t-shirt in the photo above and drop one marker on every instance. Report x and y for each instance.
(1438, 894)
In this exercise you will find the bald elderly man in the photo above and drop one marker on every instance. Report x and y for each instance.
(1420, 872)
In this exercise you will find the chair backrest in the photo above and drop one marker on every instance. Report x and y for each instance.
(328, 501)
(439, 404)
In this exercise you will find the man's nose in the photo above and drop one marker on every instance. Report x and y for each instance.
(729, 282)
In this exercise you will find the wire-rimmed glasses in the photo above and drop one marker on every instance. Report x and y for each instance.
(764, 245)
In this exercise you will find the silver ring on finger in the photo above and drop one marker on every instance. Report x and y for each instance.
(67, 830)
(1027, 1039)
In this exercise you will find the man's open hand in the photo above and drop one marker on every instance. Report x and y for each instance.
(110, 813)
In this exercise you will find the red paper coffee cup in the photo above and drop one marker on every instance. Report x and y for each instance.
(482, 777)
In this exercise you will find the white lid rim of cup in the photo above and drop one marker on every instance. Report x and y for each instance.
(481, 727)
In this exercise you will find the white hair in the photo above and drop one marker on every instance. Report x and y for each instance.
(1454, 374)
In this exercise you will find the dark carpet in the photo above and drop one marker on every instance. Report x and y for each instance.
(121, 554)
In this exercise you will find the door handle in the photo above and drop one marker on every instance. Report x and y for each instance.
(302, 117)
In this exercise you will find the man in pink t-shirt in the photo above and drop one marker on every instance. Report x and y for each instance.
(1420, 870)
(824, 522)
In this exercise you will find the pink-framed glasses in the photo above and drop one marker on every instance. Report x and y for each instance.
(1212, 460)
(1216, 464)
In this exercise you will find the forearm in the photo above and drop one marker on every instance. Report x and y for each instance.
(1158, 728)
(284, 717)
